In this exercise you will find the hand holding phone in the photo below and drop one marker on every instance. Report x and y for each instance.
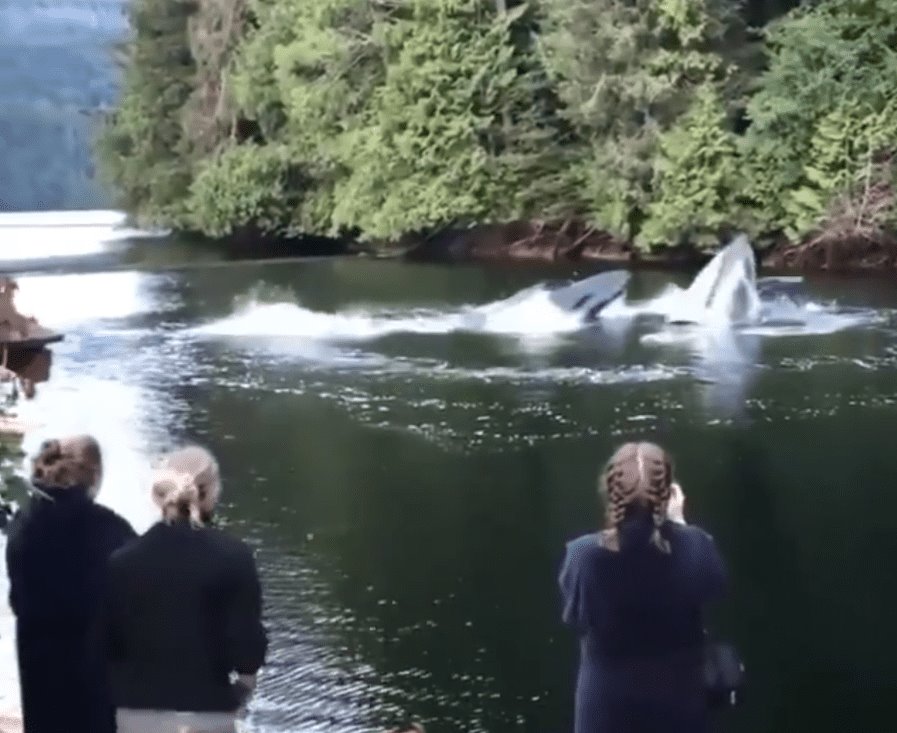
(676, 506)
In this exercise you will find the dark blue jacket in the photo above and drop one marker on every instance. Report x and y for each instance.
(638, 614)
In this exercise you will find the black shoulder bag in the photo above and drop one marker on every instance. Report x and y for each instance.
(723, 674)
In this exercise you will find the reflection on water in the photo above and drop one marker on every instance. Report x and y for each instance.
(409, 490)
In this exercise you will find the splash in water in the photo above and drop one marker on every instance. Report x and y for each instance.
(725, 294)
(531, 312)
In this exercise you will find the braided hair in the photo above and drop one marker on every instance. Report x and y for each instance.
(637, 475)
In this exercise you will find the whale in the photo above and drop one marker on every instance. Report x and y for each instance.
(725, 291)
(591, 295)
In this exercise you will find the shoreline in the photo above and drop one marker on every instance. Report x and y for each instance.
(565, 245)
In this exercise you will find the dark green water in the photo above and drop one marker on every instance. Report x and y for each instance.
(410, 495)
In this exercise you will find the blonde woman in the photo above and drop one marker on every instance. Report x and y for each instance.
(183, 619)
(56, 556)
(635, 592)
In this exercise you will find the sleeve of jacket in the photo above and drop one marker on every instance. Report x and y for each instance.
(247, 639)
(714, 574)
(15, 560)
(571, 580)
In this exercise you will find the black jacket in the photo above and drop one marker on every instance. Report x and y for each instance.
(56, 558)
(183, 611)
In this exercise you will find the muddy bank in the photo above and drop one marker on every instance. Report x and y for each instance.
(575, 243)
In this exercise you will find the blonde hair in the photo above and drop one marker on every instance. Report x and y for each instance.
(638, 474)
(71, 462)
(187, 485)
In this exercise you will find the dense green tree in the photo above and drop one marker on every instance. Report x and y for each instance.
(306, 74)
(451, 136)
(142, 146)
(245, 188)
(696, 178)
(653, 120)
(627, 72)
(824, 106)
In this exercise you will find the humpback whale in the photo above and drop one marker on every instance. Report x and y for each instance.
(725, 290)
(592, 295)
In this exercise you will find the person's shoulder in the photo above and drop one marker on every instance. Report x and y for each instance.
(692, 535)
(113, 521)
(229, 544)
(584, 546)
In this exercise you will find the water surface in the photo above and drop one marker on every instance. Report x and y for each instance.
(409, 484)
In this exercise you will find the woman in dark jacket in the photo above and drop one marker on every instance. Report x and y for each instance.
(183, 614)
(635, 592)
(56, 556)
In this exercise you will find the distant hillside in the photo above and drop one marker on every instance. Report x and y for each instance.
(56, 74)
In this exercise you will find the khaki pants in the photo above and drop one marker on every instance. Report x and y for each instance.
(166, 721)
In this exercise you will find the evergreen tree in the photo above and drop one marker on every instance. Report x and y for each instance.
(626, 72)
(381, 118)
(453, 136)
(142, 147)
(696, 178)
(306, 74)
(246, 188)
(832, 73)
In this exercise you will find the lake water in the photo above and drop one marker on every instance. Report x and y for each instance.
(409, 486)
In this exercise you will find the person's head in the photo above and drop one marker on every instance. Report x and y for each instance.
(187, 485)
(73, 462)
(637, 480)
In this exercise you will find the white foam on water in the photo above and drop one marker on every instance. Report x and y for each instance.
(530, 313)
(64, 300)
(535, 322)
(38, 235)
(86, 217)
(725, 295)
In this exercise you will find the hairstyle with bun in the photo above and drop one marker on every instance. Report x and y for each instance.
(187, 485)
(72, 462)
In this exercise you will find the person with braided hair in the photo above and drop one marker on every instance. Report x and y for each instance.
(56, 556)
(635, 592)
(183, 616)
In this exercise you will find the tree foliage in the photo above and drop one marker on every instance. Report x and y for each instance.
(626, 72)
(142, 147)
(696, 178)
(648, 119)
(245, 187)
(832, 77)
(449, 137)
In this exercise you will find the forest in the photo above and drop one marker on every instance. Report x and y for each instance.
(659, 123)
